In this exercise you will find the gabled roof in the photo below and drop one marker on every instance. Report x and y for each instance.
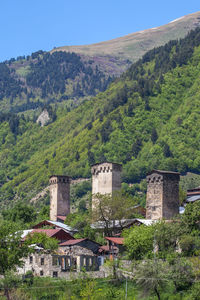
(48, 232)
(56, 224)
(25, 233)
(113, 224)
(58, 233)
(106, 248)
(72, 242)
(193, 198)
(147, 222)
(115, 240)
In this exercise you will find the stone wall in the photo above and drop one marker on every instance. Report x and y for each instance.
(43, 264)
(76, 250)
(170, 196)
(162, 200)
(106, 178)
(59, 196)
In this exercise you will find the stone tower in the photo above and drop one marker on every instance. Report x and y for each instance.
(162, 200)
(59, 196)
(106, 178)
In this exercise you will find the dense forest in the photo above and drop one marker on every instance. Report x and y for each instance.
(28, 82)
(148, 118)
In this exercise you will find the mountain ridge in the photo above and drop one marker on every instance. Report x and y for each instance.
(140, 41)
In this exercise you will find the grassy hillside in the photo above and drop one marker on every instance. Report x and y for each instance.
(149, 118)
(133, 46)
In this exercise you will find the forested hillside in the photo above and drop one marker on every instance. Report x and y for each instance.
(148, 118)
(29, 82)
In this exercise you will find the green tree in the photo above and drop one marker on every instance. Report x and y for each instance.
(12, 251)
(21, 213)
(151, 276)
(191, 217)
(154, 135)
(42, 240)
(139, 241)
(181, 273)
(109, 208)
(166, 237)
(9, 282)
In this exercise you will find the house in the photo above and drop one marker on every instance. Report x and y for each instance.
(193, 195)
(60, 234)
(44, 263)
(73, 255)
(115, 245)
(55, 225)
(83, 252)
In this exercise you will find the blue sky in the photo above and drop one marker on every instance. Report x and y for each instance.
(27, 26)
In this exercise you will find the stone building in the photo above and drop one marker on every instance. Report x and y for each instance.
(74, 255)
(84, 253)
(59, 196)
(59, 264)
(162, 200)
(106, 178)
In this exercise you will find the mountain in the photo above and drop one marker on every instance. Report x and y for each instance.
(68, 75)
(43, 78)
(133, 46)
(148, 118)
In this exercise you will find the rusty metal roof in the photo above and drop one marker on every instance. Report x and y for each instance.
(72, 242)
(115, 240)
(49, 232)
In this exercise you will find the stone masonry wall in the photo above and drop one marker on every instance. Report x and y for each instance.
(154, 197)
(59, 196)
(162, 200)
(106, 178)
(170, 196)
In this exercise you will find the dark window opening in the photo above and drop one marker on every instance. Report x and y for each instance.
(55, 274)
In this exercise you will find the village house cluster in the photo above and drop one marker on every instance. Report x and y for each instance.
(74, 255)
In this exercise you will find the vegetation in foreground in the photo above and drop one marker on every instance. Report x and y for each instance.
(159, 270)
(92, 289)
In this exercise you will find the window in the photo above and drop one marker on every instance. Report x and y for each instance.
(54, 261)
(41, 273)
(68, 261)
(55, 274)
(84, 261)
(90, 261)
(42, 261)
(30, 259)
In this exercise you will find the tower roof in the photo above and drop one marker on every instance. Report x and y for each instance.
(163, 172)
(106, 162)
(66, 176)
